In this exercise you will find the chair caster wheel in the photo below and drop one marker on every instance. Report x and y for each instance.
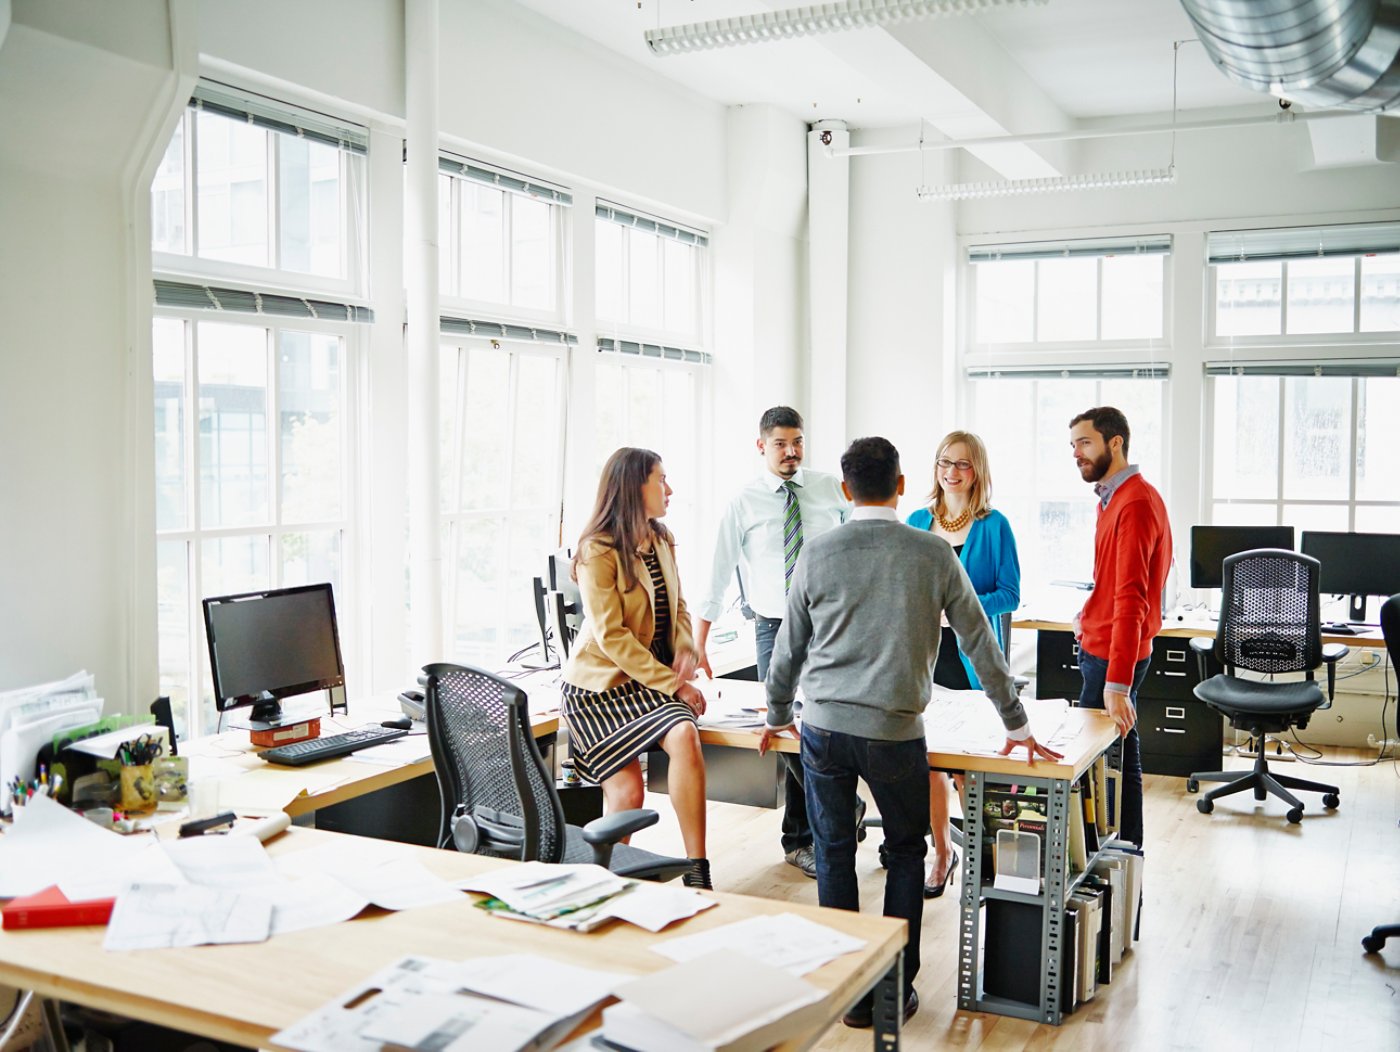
(1295, 815)
(1205, 806)
(1193, 786)
(1371, 944)
(1332, 800)
(884, 858)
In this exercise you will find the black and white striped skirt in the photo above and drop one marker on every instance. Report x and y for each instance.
(609, 729)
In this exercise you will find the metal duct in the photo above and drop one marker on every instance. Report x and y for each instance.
(1328, 53)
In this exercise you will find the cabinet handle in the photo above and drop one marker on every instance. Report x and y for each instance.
(1178, 675)
(1171, 730)
(1176, 655)
(1176, 712)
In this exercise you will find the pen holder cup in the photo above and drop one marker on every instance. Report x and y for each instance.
(138, 787)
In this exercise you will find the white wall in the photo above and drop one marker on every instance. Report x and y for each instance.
(901, 323)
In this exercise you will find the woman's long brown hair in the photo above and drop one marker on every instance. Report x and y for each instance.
(619, 519)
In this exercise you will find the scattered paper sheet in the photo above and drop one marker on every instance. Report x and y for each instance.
(148, 866)
(419, 1004)
(538, 982)
(544, 890)
(741, 998)
(48, 843)
(410, 749)
(374, 875)
(966, 721)
(104, 746)
(654, 906)
(156, 916)
(308, 902)
(783, 940)
(216, 861)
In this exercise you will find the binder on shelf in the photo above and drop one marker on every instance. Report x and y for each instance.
(1132, 858)
(1087, 925)
(1078, 846)
(1069, 962)
(1114, 871)
(50, 908)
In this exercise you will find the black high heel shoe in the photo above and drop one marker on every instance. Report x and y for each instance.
(935, 890)
(698, 876)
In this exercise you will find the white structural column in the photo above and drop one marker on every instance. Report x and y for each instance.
(421, 338)
(828, 252)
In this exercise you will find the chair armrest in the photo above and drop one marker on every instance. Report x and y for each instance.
(1201, 646)
(611, 828)
(1332, 653)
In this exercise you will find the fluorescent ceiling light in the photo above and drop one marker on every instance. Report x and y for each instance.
(804, 21)
(1054, 184)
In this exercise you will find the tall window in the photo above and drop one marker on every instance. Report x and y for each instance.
(1069, 292)
(502, 427)
(252, 481)
(1304, 387)
(650, 381)
(256, 220)
(501, 238)
(1024, 421)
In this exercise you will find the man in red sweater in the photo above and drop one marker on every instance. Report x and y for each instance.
(1132, 554)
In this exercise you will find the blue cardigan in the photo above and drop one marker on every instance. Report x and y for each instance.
(989, 557)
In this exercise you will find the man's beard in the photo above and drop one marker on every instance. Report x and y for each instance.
(1098, 467)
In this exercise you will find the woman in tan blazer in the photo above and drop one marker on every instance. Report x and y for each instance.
(627, 685)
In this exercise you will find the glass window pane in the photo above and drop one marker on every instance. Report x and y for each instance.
(1066, 299)
(1380, 293)
(680, 294)
(1302, 517)
(1005, 301)
(310, 558)
(1224, 513)
(531, 253)
(309, 199)
(1321, 295)
(680, 459)
(233, 454)
(485, 434)
(173, 619)
(643, 279)
(1378, 438)
(609, 411)
(1317, 437)
(1372, 518)
(477, 566)
(645, 408)
(168, 367)
(449, 466)
(229, 565)
(1248, 299)
(535, 466)
(532, 536)
(1245, 436)
(607, 255)
(231, 175)
(1132, 297)
(168, 197)
(1057, 403)
(446, 280)
(1141, 403)
(310, 425)
(483, 234)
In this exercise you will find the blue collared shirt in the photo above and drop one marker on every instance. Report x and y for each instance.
(1106, 488)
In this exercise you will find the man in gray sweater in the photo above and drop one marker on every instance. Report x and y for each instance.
(862, 630)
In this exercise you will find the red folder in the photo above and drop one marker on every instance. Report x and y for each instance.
(50, 908)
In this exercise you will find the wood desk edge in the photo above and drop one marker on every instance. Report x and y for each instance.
(1371, 637)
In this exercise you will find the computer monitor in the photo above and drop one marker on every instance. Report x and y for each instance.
(564, 605)
(266, 646)
(1355, 564)
(1211, 545)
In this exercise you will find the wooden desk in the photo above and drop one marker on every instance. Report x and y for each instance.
(1369, 636)
(244, 994)
(1087, 735)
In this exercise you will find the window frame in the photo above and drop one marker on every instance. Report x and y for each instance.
(349, 614)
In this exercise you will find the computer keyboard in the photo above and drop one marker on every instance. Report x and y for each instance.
(298, 754)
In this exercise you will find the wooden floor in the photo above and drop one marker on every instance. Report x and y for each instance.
(1251, 927)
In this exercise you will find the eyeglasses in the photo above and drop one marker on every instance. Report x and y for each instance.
(949, 465)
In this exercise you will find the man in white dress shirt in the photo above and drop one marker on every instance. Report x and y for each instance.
(761, 534)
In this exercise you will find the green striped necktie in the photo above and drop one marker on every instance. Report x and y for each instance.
(792, 532)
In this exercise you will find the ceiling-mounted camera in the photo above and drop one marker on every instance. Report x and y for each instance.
(826, 138)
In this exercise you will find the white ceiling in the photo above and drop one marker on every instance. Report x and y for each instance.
(1086, 58)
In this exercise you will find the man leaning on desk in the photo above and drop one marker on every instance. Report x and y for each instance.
(861, 629)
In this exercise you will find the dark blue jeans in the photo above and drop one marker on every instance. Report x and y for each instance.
(1094, 670)
(897, 773)
(797, 829)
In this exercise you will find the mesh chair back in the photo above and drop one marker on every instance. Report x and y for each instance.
(1390, 628)
(489, 765)
(1269, 618)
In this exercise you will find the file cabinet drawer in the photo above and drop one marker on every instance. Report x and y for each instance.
(1057, 665)
(1178, 737)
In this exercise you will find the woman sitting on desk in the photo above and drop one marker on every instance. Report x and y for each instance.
(627, 685)
(960, 511)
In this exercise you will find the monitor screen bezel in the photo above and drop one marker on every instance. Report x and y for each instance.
(1194, 565)
(223, 702)
(1353, 541)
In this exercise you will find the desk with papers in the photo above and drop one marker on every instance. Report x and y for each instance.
(247, 992)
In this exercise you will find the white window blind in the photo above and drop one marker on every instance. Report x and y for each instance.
(1146, 245)
(501, 179)
(1312, 242)
(273, 115)
(185, 296)
(622, 217)
(499, 330)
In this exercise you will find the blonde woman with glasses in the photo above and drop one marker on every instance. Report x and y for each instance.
(960, 511)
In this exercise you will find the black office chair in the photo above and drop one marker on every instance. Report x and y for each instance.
(1269, 624)
(497, 796)
(1390, 629)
